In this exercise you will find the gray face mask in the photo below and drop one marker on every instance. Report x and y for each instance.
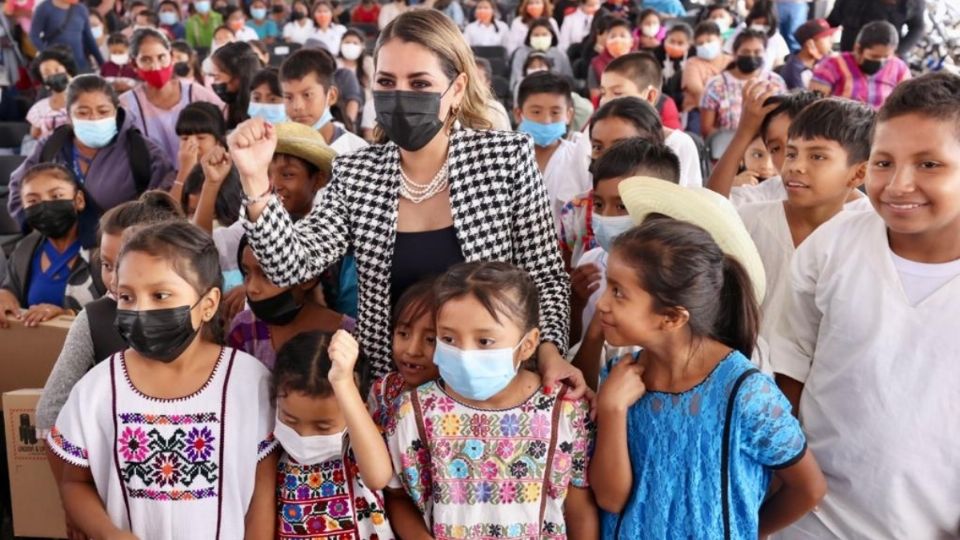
(410, 119)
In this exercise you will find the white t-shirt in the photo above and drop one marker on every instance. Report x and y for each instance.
(487, 35)
(920, 280)
(575, 28)
(686, 151)
(770, 189)
(880, 402)
(330, 37)
(597, 257)
(246, 34)
(347, 142)
(171, 468)
(519, 31)
(293, 32)
(563, 178)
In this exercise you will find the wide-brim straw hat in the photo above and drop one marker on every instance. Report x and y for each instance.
(306, 143)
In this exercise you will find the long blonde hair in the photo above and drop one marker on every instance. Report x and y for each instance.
(435, 31)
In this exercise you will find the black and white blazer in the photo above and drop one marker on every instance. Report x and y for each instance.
(500, 213)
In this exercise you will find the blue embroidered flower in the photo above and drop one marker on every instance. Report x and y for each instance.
(412, 474)
(473, 449)
(484, 492)
(458, 468)
(514, 530)
(327, 489)
(291, 482)
(510, 425)
(292, 513)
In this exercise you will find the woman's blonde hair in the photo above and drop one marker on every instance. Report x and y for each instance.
(435, 31)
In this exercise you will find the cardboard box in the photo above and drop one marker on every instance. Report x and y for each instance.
(27, 354)
(37, 511)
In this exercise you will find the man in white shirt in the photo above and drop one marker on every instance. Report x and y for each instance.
(576, 26)
(307, 82)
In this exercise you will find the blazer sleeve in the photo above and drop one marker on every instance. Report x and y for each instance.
(535, 247)
(293, 253)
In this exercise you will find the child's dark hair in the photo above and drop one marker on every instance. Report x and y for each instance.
(933, 95)
(849, 123)
(637, 157)
(50, 169)
(544, 82)
(746, 35)
(789, 104)
(306, 61)
(500, 287)
(542, 22)
(537, 56)
(267, 76)
(57, 53)
(303, 364)
(644, 14)
(764, 9)
(415, 301)
(680, 265)
(240, 61)
(192, 255)
(153, 206)
(681, 28)
(152, 18)
(117, 38)
(642, 68)
(615, 22)
(226, 208)
(706, 28)
(202, 118)
(876, 33)
(636, 111)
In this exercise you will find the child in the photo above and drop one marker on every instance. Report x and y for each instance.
(201, 25)
(335, 462)
(486, 30)
(673, 55)
(171, 438)
(48, 272)
(639, 75)
(265, 28)
(236, 20)
(757, 165)
(870, 343)
(326, 30)
(618, 41)
(54, 67)
(690, 434)
(200, 127)
(306, 78)
(827, 151)
(276, 314)
(169, 18)
(618, 120)
(485, 450)
(576, 26)
(709, 62)
(266, 98)
(816, 42)
(544, 110)
(650, 31)
(414, 341)
(632, 157)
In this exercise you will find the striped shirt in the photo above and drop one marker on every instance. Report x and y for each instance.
(843, 75)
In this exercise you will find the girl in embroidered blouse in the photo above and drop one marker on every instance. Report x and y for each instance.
(441, 188)
(665, 464)
(172, 437)
(335, 461)
(414, 340)
(487, 450)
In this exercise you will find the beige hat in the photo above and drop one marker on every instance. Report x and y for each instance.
(711, 211)
(306, 143)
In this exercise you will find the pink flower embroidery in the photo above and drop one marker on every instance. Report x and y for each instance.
(133, 444)
(505, 449)
(458, 494)
(489, 470)
(540, 426)
(508, 492)
(446, 404)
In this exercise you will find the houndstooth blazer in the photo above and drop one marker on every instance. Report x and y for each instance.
(500, 212)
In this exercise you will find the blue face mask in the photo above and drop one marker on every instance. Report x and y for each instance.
(325, 119)
(478, 374)
(95, 133)
(231, 279)
(271, 112)
(202, 6)
(606, 229)
(258, 13)
(168, 18)
(709, 51)
(543, 134)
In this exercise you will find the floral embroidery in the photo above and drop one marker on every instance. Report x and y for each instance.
(172, 419)
(59, 441)
(383, 398)
(199, 444)
(133, 444)
(174, 495)
(175, 462)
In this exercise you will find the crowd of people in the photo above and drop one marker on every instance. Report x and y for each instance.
(479, 269)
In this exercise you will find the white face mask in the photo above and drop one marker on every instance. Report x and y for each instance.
(351, 51)
(120, 59)
(308, 450)
(650, 30)
(541, 43)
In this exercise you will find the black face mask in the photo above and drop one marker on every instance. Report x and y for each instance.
(749, 64)
(278, 310)
(157, 334)
(410, 119)
(277, 10)
(53, 219)
(57, 83)
(296, 16)
(220, 89)
(871, 67)
(181, 69)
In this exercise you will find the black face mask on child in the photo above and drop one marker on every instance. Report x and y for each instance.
(158, 334)
(53, 219)
(277, 310)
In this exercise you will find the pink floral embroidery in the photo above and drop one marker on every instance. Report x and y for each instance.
(540, 426)
(133, 444)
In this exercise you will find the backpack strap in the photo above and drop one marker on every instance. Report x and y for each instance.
(55, 143)
(139, 155)
(725, 451)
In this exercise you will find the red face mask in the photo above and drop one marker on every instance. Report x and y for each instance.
(675, 51)
(156, 77)
(236, 25)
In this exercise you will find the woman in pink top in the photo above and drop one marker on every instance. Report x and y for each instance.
(156, 103)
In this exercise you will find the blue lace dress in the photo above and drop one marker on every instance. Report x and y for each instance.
(676, 444)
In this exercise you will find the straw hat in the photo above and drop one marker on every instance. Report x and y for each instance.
(711, 211)
(305, 143)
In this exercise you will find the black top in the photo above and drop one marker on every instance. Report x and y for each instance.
(418, 255)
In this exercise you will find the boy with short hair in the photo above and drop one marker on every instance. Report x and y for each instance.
(544, 110)
(816, 42)
(119, 70)
(639, 75)
(869, 348)
(307, 82)
(625, 159)
(709, 61)
(826, 160)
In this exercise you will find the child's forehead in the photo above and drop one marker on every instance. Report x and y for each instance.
(44, 183)
(546, 99)
(915, 133)
(816, 143)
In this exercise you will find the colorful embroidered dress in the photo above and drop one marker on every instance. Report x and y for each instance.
(251, 335)
(328, 501)
(490, 474)
(169, 469)
(383, 398)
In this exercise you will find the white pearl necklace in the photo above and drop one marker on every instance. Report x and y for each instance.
(417, 193)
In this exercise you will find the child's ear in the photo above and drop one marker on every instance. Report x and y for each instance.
(569, 116)
(517, 114)
(319, 180)
(528, 347)
(332, 95)
(674, 318)
(209, 304)
(859, 175)
(80, 201)
(309, 285)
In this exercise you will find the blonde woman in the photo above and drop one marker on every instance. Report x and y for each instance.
(440, 188)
